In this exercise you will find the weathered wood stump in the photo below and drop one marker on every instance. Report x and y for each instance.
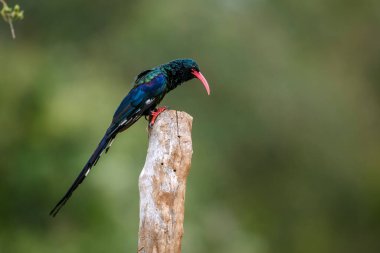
(162, 183)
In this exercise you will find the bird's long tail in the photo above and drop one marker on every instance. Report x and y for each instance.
(104, 145)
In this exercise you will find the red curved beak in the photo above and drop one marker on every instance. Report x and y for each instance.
(202, 78)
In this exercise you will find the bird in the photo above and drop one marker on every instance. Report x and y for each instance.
(149, 88)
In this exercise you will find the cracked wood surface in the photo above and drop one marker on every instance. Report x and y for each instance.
(162, 183)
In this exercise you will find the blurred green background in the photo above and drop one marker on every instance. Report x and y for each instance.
(286, 148)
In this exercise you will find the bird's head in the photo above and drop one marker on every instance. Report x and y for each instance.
(182, 70)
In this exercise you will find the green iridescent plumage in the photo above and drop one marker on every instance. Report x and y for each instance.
(147, 76)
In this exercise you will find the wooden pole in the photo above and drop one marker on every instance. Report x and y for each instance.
(162, 183)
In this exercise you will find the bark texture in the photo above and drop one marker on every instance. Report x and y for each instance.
(162, 183)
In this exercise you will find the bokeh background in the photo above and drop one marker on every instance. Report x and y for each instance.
(286, 148)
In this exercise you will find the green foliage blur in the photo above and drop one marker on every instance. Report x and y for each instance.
(286, 148)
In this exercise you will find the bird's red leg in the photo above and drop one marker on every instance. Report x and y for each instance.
(154, 114)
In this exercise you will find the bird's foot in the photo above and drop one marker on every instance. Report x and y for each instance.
(154, 114)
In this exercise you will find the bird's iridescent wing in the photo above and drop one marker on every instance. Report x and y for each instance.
(147, 92)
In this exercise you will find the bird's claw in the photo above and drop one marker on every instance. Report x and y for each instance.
(154, 114)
